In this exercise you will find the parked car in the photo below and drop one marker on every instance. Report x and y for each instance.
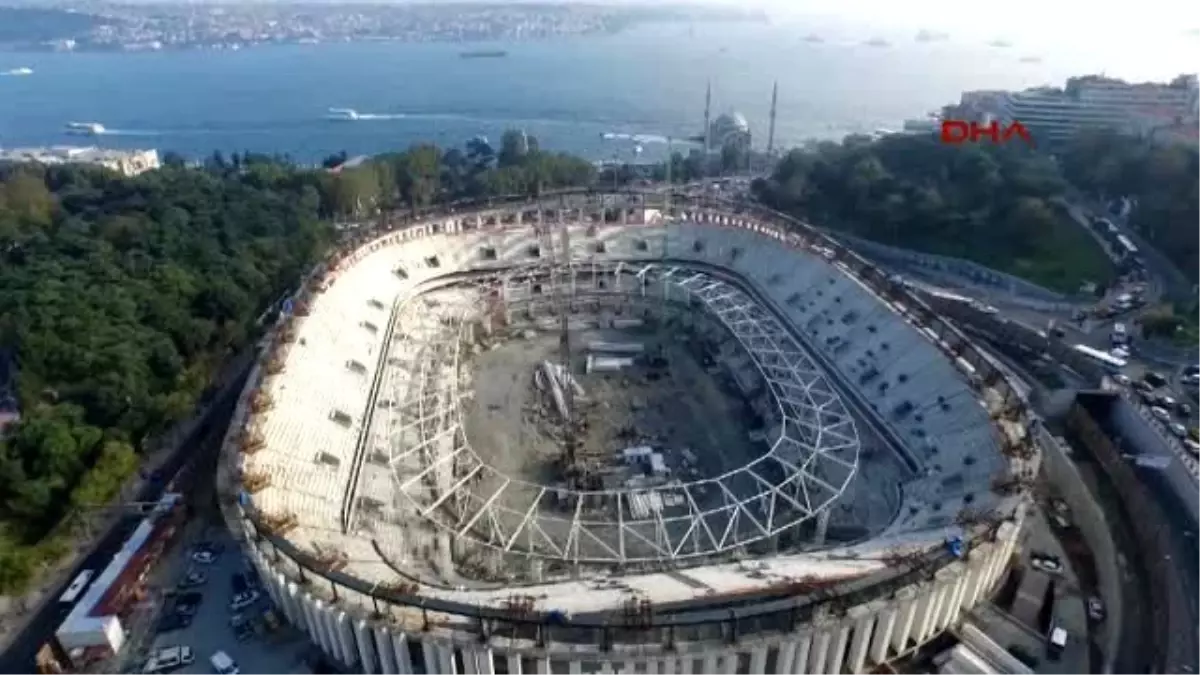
(1160, 414)
(1154, 379)
(224, 664)
(243, 600)
(1178, 429)
(204, 557)
(1184, 410)
(168, 659)
(1045, 563)
(1143, 386)
(1095, 608)
(172, 622)
(188, 603)
(192, 579)
(1122, 379)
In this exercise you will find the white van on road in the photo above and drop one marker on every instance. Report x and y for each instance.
(223, 664)
(169, 658)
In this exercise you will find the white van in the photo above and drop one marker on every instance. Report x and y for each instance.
(1058, 642)
(169, 658)
(223, 664)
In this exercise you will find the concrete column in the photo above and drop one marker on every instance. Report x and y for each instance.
(312, 625)
(907, 600)
(884, 625)
(349, 645)
(485, 663)
(837, 649)
(957, 589)
(820, 649)
(787, 653)
(366, 647)
(727, 662)
(325, 625)
(710, 663)
(803, 649)
(864, 617)
(949, 577)
(514, 664)
(652, 667)
(430, 656)
(400, 651)
(822, 526)
(575, 667)
(291, 598)
(470, 667)
(758, 660)
(385, 650)
(977, 561)
(543, 665)
(937, 595)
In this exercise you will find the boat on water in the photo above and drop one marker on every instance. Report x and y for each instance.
(814, 38)
(85, 128)
(924, 35)
(16, 72)
(1031, 59)
(484, 54)
(343, 114)
(878, 42)
(1000, 44)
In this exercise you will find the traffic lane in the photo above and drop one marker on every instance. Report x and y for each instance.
(21, 655)
(1184, 556)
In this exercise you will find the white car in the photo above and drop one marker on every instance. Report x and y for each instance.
(1178, 429)
(1046, 564)
(169, 658)
(1122, 380)
(1161, 414)
(1120, 353)
(224, 664)
(204, 557)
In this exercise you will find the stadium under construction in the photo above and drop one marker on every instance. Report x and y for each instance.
(621, 432)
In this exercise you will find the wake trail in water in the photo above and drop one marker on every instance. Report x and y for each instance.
(129, 132)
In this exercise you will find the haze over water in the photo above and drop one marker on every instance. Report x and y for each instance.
(570, 92)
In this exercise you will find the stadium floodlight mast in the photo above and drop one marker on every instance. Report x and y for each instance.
(809, 464)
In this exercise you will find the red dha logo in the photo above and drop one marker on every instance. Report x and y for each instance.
(957, 132)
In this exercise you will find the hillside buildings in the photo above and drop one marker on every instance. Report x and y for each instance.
(126, 162)
(1162, 112)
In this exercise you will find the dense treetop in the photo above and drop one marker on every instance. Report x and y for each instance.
(999, 206)
(121, 297)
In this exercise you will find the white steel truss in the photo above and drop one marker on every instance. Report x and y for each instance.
(810, 462)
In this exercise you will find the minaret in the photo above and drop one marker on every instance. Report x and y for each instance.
(771, 129)
(707, 111)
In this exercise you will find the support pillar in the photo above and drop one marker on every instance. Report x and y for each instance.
(387, 653)
(907, 599)
(400, 649)
(822, 526)
(884, 625)
(514, 665)
(864, 618)
(837, 648)
(803, 649)
(710, 663)
(787, 653)
(758, 660)
(822, 635)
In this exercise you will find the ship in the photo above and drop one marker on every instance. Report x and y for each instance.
(930, 36)
(484, 54)
(85, 128)
(1031, 59)
(814, 38)
(15, 72)
(343, 114)
(1000, 44)
(878, 42)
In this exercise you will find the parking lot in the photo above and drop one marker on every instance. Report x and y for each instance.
(255, 636)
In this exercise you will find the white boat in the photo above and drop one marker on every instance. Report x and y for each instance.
(343, 114)
(85, 128)
(18, 72)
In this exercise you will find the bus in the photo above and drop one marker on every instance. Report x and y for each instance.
(77, 587)
(1127, 247)
(1110, 362)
